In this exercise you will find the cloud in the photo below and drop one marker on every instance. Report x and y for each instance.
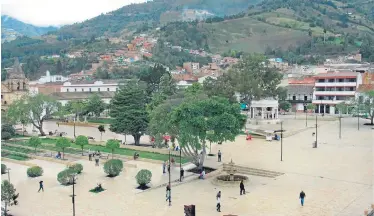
(57, 12)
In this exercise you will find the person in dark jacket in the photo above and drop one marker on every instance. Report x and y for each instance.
(242, 189)
(41, 187)
(302, 196)
(218, 201)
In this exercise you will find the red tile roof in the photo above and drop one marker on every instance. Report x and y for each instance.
(305, 81)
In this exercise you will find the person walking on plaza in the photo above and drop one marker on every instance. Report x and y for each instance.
(164, 167)
(302, 196)
(219, 155)
(168, 196)
(219, 201)
(97, 157)
(41, 187)
(242, 189)
(182, 173)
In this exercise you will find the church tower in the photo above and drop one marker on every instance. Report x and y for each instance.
(15, 86)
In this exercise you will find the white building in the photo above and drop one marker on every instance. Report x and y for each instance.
(202, 79)
(334, 88)
(96, 86)
(51, 78)
(65, 97)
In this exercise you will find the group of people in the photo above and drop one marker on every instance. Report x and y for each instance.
(95, 155)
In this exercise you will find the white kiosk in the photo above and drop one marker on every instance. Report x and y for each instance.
(264, 111)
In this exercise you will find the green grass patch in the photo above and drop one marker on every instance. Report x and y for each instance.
(14, 156)
(19, 149)
(76, 149)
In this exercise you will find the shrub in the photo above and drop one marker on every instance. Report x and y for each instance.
(34, 171)
(64, 176)
(3, 168)
(76, 168)
(113, 167)
(143, 177)
(9, 129)
(5, 136)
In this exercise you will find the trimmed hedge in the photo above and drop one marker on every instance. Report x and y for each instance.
(143, 177)
(113, 167)
(3, 168)
(77, 168)
(5, 136)
(64, 176)
(34, 171)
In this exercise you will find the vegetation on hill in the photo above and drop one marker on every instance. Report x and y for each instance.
(9, 24)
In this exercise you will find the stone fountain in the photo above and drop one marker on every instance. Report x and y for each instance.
(230, 178)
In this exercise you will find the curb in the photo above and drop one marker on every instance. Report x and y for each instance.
(18, 162)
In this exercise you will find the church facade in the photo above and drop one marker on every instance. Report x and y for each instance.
(14, 87)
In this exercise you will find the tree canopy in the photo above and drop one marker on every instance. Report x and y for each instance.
(128, 110)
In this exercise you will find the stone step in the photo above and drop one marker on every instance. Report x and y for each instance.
(252, 171)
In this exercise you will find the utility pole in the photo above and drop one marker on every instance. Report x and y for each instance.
(340, 127)
(358, 115)
(281, 140)
(73, 178)
(306, 118)
(74, 125)
(180, 163)
(316, 132)
(169, 179)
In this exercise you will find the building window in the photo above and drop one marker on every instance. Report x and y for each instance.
(331, 80)
(98, 89)
(305, 97)
(321, 80)
(67, 90)
(294, 97)
(5, 102)
(75, 90)
(107, 89)
(90, 89)
(341, 80)
(2, 96)
(82, 90)
(352, 80)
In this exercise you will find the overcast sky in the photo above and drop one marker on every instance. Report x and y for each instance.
(59, 12)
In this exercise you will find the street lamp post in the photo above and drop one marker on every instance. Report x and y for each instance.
(169, 179)
(74, 125)
(358, 114)
(8, 171)
(340, 126)
(316, 144)
(281, 140)
(180, 163)
(73, 178)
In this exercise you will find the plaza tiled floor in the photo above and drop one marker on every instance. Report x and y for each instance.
(337, 178)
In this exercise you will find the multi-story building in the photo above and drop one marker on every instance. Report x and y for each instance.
(334, 88)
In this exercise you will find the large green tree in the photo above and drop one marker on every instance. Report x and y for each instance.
(198, 121)
(128, 110)
(152, 77)
(253, 78)
(221, 87)
(112, 144)
(81, 141)
(366, 104)
(36, 109)
(63, 143)
(18, 113)
(95, 105)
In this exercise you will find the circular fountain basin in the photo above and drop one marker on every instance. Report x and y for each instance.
(229, 180)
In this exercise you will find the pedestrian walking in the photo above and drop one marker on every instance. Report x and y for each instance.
(182, 173)
(169, 167)
(219, 155)
(219, 201)
(41, 187)
(168, 195)
(242, 189)
(97, 157)
(302, 196)
(164, 167)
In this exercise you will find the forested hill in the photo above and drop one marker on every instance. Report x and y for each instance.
(153, 13)
(11, 28)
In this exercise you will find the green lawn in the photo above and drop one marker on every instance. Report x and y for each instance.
(14, 156)
(19, 149)
(48, 144)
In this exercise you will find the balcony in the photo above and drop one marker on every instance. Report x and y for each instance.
(331, 101)
(333, 84)
(335, 93)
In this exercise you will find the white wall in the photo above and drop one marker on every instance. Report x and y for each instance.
(64, 102)
(68, 87)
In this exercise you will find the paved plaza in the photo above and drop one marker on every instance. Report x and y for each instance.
(337, 178)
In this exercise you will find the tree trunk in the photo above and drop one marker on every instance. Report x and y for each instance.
(82, 150)
(101, 136)
(23, 130)
(137, 138)
(202, 156)
(6, 209)
(112, 153)
(40, 128)
(63, 153)
(35, 150)
(372, 119)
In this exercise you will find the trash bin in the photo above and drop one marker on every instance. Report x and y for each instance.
(314, 144)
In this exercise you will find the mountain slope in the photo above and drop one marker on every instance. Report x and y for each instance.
(12, 28)
(131, 16)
